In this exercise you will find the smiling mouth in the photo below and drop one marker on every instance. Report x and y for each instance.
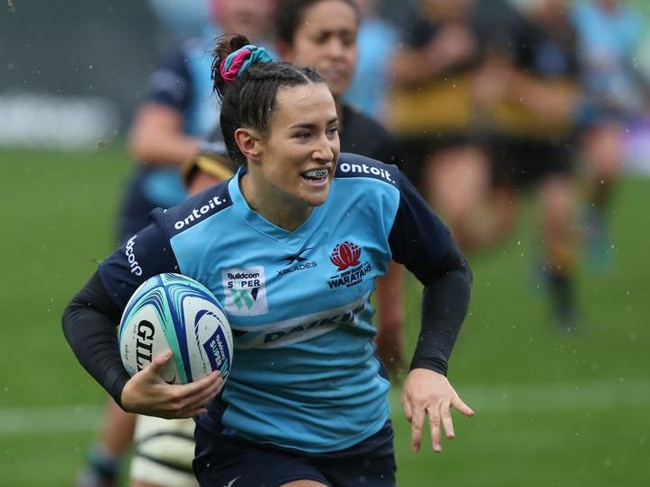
(315, 175)
(337, 72)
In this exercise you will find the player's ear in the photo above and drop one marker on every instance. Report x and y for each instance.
(249, 143)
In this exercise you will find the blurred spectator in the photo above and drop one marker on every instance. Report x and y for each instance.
(168, 129)
(615, 94)
(430, 110)
(528, 90)
(376, 43)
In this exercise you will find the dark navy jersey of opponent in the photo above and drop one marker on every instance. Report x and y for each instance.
(304, 373)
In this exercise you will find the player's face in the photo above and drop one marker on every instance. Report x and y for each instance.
(437, 10)
(326, 39)
(298, 156)
(248, 17)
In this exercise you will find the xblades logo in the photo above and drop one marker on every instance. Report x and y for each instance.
(297, 257)
(297, 262)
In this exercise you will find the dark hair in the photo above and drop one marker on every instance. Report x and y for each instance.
(249, 99)
(290, 14)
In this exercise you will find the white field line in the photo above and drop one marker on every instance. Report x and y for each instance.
(550, 397)
(64, 419)
(497, 399)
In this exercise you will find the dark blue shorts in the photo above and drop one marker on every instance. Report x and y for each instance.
(221, 459)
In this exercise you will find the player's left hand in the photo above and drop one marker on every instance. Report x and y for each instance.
(428, 393)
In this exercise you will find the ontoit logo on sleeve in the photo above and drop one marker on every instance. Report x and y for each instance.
(363, 168)
(245, 289)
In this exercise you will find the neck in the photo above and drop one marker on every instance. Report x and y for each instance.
(279, 210)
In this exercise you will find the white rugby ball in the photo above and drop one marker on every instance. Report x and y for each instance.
(174, 312)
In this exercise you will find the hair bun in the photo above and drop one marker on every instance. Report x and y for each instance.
(238, 61)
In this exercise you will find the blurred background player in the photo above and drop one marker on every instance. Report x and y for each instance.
(376, 43)
(180, 111)
(323, 34)
(528, 91)
(431, 112)
(615, 94)
(209, 166)
(168, 129)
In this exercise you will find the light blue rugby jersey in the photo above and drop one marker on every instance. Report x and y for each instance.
(304, 373)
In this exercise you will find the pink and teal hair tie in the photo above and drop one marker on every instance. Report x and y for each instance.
(236, 63)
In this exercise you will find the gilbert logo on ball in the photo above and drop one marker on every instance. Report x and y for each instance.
(174, 312)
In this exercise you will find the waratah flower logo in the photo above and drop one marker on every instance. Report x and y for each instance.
(345, 255)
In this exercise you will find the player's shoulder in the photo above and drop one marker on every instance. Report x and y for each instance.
(177, 56)
(197, 208)
(362, 167)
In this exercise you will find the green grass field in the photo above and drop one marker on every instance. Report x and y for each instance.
(553, 409)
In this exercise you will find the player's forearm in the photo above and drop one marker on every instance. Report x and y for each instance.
(444, 306)
(170, 149)
(554, 99)
(157, 137)
(91, 333)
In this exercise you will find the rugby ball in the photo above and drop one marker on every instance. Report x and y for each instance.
(174, 312)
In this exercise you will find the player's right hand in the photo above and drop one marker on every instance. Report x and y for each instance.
(147, 392)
